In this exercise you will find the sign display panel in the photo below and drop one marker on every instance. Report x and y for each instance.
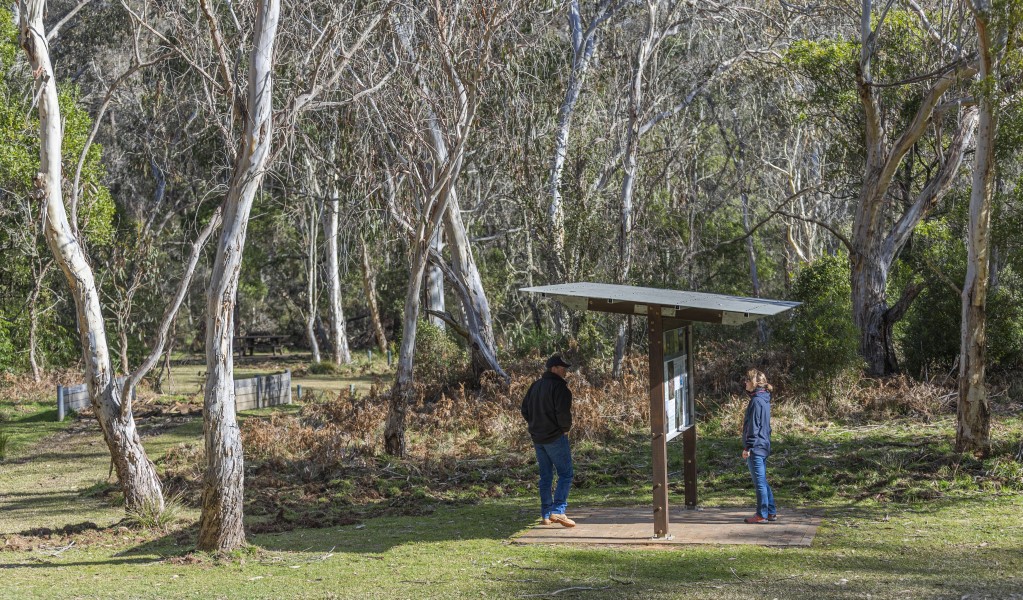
(678, 407)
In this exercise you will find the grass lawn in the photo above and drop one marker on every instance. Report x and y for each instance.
(905, 517)
(188, 372)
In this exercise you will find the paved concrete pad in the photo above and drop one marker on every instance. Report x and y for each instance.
(635, 526)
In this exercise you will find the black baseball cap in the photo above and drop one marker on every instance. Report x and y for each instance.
(556, 361)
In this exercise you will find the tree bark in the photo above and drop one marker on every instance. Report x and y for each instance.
(135, 472)
(973, 429)
(474, 301)
(311, 296)
(584, 43)
(875, 244)
(220, 524)
(370, 287)
(339, 336)
(435, 283)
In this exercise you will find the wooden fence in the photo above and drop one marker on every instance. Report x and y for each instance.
(260, 391)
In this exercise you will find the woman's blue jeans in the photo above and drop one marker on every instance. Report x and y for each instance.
(765, 496)
(551, 457)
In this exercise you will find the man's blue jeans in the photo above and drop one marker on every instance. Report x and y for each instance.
(765, 496)
(554, 456)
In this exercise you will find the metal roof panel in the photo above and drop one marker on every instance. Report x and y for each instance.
(671, 298)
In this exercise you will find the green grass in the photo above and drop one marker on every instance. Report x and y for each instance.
(187, 372)
(26, 423)
(905, 517)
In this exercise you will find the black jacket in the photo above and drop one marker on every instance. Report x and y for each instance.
(547, 408)
(756, 426)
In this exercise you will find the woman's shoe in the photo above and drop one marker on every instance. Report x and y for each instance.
(755, 519)
(563, 520)
(772, 518)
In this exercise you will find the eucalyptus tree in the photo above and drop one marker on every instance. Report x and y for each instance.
(426, 116)
(584, 38)
(136, 473)
(998, 28)
(942, 107)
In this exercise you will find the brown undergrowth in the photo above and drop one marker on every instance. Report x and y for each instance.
(325, 465)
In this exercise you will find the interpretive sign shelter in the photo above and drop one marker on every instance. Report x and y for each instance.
(670, 315)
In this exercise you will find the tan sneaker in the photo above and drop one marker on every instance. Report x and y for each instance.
(562, 519)
(545, 521)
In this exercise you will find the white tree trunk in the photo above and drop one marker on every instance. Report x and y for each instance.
(338, 332)
(973, 430)
(584, 43)
(435, 283)
(220, 524)
(478, 320)
(136, 473)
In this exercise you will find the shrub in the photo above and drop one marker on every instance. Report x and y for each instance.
(323, 368)
(822, 336)
(439, 359)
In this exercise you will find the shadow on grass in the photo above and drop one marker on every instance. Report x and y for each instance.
(372, 535)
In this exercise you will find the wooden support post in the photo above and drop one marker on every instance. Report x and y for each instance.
(658, 437)
(61, 410)
(689, 435)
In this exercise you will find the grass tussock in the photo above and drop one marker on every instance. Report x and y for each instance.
(150, 517)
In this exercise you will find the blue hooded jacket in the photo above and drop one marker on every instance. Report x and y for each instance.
(756, 426)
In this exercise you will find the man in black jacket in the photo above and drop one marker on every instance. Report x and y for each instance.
(547, 408)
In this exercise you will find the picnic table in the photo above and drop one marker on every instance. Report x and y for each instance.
(245, 345)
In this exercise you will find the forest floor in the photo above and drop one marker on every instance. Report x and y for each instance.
(904, 517)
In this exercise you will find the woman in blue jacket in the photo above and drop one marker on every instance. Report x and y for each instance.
(756, 440)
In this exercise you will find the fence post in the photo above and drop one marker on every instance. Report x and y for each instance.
(259, 391)
(285, 386)
(60, 403)
(369, 354)
(388, 358)
(351, 389)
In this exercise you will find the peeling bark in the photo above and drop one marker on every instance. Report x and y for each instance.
(135, 472)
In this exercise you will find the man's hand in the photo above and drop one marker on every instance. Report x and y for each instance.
(745, 453)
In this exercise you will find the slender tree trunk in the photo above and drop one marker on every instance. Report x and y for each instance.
(338, 332)
(220, 524)
(370, 287)
(631, 170)
(135, 472)
(584, 41)
(435, 284)
(973, 430)
(402, 391)
(311, 303)
(33, 321)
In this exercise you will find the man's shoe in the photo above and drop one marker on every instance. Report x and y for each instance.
(755, 519)
(563, 520)
(772, 518)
